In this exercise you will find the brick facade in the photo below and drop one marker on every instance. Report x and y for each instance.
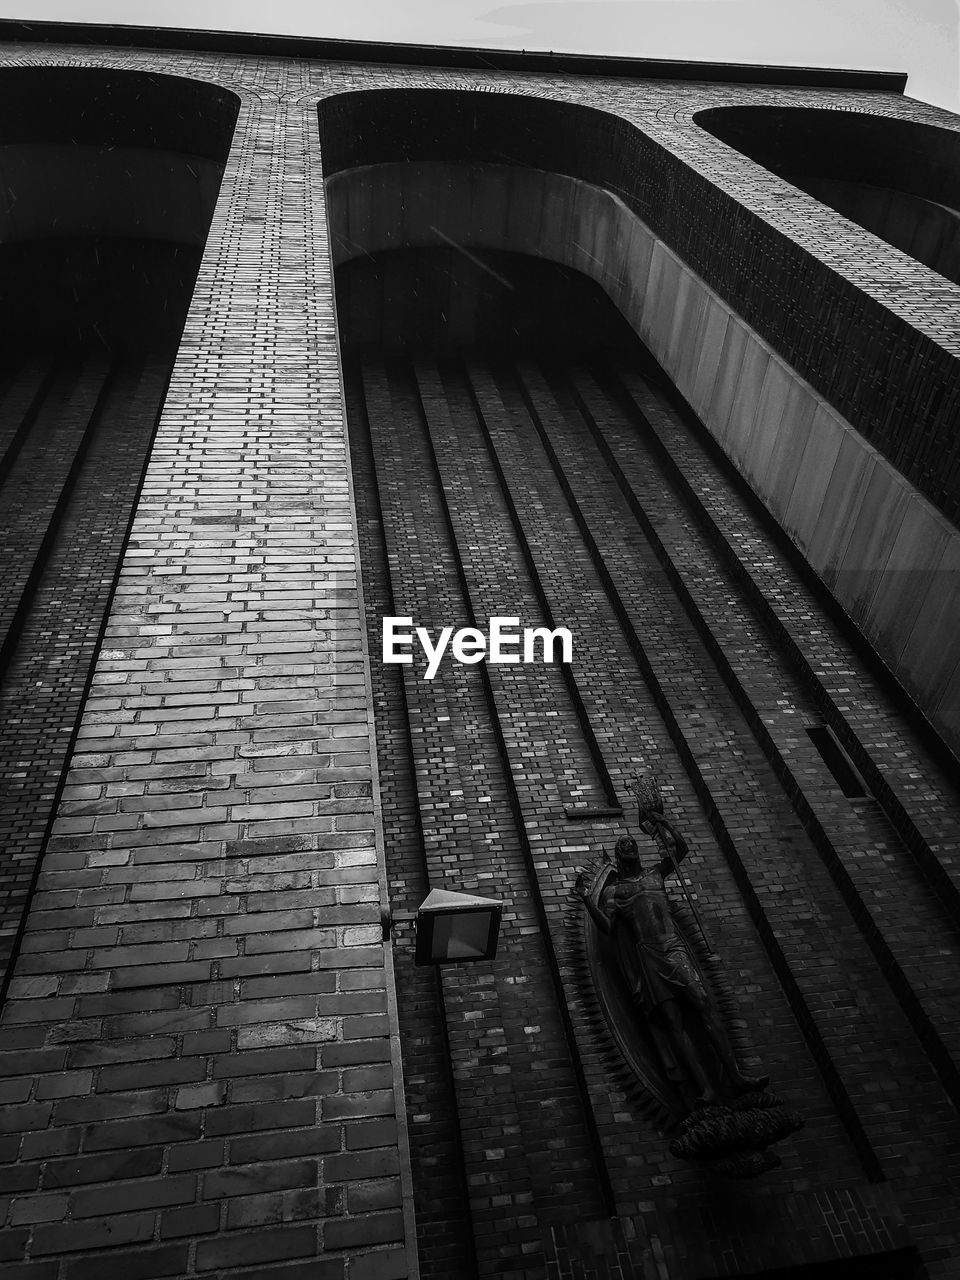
(212, 1064)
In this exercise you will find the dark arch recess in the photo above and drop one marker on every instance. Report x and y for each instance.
(93, 106)
(438, 300)
(886, 152)
(109, 182)
(850, 347)
(469, 127)
(897, 178)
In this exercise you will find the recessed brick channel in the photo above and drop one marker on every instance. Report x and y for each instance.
(77, 439)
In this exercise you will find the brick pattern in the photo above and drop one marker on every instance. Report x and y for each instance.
(205, 1029)
(805, 1231)
(24, 390)
(524, 1136)
(71, 535)
(872, 868)
(847, 310)
(202, 1000)
(765, 884)
(35, 485)
(608, 658)
(913, 786)
(445, 1242)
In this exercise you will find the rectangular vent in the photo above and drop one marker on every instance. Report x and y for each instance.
(838, 762)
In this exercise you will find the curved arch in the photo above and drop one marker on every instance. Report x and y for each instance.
(473, 170)
(504, 208)
(108, 183)
(790, 364)
(84, 105)
(472, 126)
(898, 179)
(442, 299)
(89, 151)
(786, 292)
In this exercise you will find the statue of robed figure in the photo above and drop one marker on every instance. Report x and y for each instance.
(661, 965)
(668, 988)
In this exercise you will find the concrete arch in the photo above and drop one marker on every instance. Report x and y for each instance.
(428, 168)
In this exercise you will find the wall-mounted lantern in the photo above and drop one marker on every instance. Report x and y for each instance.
(452, 927)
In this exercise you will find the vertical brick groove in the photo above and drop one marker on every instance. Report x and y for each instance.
(445, 1239)
(57, 635)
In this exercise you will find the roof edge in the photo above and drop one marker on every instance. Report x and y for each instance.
(322, 49)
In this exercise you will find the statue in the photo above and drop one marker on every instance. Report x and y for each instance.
(665, 981)
(731, 1116)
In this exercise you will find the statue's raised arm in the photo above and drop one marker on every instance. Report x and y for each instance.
(654, 823)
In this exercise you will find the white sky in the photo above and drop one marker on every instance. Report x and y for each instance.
(921, 37)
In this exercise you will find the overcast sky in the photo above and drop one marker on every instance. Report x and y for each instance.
(916, 36)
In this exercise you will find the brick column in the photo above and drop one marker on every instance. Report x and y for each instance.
(201, 1037)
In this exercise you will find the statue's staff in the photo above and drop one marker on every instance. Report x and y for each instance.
(650, 810)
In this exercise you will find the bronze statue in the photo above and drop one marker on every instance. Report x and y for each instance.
(676, 1044)
(655, 961)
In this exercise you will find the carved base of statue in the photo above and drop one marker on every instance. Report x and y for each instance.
(736, 1139)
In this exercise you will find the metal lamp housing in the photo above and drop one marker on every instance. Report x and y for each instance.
(453, 927)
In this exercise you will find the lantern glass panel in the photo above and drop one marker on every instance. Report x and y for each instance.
(461, 935)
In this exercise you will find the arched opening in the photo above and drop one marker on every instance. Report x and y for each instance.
(896, 178)
(467, 127)
(108, 181)
(443, 299)
(512, 456)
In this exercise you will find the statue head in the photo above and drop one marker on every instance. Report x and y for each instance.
(627, 855)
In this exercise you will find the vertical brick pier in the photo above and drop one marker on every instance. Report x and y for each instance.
(199, 1042)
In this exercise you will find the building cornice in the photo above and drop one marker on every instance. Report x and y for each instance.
(373, 51)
